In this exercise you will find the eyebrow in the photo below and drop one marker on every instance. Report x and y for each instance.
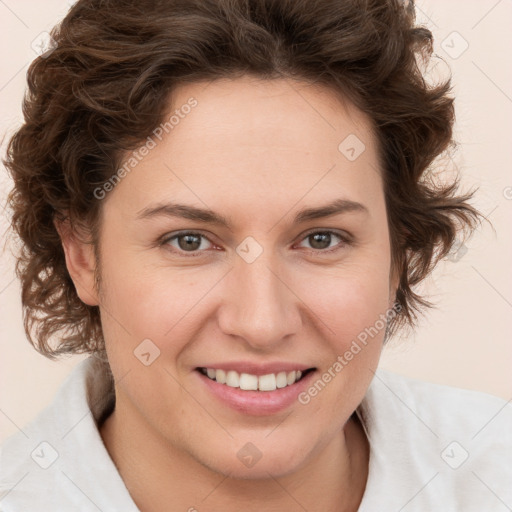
(208, 216)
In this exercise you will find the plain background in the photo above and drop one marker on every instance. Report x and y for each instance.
(466, 341)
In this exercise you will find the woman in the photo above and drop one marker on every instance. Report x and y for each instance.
(227, 203)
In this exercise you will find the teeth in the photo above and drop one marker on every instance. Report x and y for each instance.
(281, 380)
(233, 379)
(249, 382)
(267, 382)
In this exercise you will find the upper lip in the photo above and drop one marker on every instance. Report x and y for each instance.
(257, 368)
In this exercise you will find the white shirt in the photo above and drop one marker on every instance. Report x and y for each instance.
(432, 448)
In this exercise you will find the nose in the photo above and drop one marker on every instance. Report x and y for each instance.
(259, 305)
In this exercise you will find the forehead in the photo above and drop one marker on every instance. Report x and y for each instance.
(281, 114)
(258, 138)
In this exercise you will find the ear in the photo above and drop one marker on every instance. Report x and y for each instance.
(80, 262)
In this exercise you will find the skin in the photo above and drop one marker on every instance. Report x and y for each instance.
(256, 152)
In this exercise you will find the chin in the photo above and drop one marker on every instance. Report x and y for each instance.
(255, 460)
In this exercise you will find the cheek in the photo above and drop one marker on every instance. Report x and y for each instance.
(148, 299)
(351, 315)
(165, 305)
(348, 300)
(358, 308)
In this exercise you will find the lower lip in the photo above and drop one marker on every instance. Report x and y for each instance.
(257, 403)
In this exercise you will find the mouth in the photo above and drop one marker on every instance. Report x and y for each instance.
(255, 390)
(252, 382)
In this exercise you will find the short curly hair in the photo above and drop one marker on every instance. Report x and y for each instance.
(106, 84)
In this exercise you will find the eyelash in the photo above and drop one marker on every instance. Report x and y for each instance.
(345, 240)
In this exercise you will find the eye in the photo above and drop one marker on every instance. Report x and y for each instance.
(190, 242)
(195, 243)
(321, 240)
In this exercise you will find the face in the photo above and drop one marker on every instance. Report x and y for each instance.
(284, 269)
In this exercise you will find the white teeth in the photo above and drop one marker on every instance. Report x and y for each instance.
(233, 379)
(249, 382)
(281, 380)
(267, 382)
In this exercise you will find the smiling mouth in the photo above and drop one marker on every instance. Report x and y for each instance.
(250, 382)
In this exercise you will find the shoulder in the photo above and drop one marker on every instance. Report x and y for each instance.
(57, 460)
(32, 460)
(453, 444)
(441, 412)
(445, 405)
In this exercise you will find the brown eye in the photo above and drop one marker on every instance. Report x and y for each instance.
(320, 240)
(187, 242)
(325, 241)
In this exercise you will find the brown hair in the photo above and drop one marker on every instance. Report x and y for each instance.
(106, 85)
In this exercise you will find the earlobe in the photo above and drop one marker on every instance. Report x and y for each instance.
(80, 262)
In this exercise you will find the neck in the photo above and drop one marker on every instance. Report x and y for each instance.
(159, 475)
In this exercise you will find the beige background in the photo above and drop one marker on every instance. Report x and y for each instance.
(466, 342)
